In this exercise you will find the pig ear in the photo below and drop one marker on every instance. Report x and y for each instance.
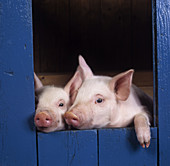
(73, 85)
(121, 84)
(37, 83)
(84, 69)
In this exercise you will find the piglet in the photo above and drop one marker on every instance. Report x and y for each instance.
(51, 104)
(108, 102)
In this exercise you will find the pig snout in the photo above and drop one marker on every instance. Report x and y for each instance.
(43, 119)
(72, 119)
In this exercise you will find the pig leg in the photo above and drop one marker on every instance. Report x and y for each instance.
(142, 128)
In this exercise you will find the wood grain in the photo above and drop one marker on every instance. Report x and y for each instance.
(144, 80)
(111, 35)
(163, 78)
(71, 148)
(17, 131)
(120, 146)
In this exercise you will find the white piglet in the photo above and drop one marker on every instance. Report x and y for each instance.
(51, 104)
(108, 102)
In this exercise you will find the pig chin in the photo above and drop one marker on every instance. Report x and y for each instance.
(78, 124)
(85, 123)
(85, 126)
(55, 127)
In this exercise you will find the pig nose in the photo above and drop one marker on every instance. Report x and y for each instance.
(42, 119)
(71, 119)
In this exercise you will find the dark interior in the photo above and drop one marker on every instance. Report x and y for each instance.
(112, 35)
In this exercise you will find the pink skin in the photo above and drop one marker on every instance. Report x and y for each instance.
(50, 109)
(72, 119)
(101, 101)
(82, 115)
(53, 102)
(43, 120)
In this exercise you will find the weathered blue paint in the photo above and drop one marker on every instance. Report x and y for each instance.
(96, 147)
(68, 148)
(119, 147)
(163, 70)
(154, 63)
(17, 134)
(88, 147)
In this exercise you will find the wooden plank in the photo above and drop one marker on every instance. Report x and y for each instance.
(141, 30)
(100, 30)
(163, 78)
(68, 148)
(17, 132)
(116, 43)
(144, 80)
(61, 35)
(75, 26)
(120, 147)
(148, 90)
(140, 78)
(91, 31)
(51, 35)
(36, 34)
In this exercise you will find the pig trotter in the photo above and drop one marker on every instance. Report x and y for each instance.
(146, 144)
(142, 130)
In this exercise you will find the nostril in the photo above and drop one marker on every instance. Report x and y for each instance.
(37, 119)
(71, 119)
(74, 122)
(75, 119)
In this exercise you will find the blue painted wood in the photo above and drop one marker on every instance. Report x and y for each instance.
(119, 147)
(68, 148)
(17, 134)
(163, 71)
(154, 63)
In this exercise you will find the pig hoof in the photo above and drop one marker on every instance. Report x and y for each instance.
(145, 144)
(143, 136)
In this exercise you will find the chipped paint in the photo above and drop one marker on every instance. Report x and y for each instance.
(9, 73)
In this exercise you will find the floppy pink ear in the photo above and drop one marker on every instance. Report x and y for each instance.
(121, 84)
(73, 85)
(37, 83)
(84, 69)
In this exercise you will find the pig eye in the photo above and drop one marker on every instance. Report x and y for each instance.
(99, 100)
(61, 105)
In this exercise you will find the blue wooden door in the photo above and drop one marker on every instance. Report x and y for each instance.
(18, 145)
(162, 48)
(68, 148)
(118, 147)
(17, 134)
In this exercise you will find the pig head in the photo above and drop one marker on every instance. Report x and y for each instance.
(107, 102)
(51, 104)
